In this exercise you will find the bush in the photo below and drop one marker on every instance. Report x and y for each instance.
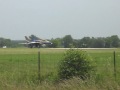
(75, 63)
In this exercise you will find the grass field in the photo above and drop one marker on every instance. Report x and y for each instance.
(19, 70)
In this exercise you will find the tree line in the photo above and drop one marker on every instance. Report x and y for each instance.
(68, 42)
(10, 43)
(87, 42)
(5, 42)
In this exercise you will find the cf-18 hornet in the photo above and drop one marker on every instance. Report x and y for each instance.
(35, 42)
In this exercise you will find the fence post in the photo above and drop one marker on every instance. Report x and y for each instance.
(114, 64)
(38, 65)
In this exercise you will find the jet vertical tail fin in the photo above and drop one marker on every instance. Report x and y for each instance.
(27, 39)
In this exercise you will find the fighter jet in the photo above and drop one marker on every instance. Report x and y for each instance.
(35, 42)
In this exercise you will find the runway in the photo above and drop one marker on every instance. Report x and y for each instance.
(86, 48)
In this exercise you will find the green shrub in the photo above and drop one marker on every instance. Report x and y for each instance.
(75, 63)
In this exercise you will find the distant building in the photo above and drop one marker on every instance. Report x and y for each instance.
(4, 46)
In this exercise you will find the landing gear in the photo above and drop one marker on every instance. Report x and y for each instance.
(37, 45)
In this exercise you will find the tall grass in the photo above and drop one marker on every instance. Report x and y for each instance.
(71, 84)
(19, 70)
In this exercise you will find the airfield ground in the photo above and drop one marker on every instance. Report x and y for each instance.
(19, 69)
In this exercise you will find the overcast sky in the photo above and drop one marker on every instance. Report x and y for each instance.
(57, 18)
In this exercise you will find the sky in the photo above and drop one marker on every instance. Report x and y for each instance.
(56, 18)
